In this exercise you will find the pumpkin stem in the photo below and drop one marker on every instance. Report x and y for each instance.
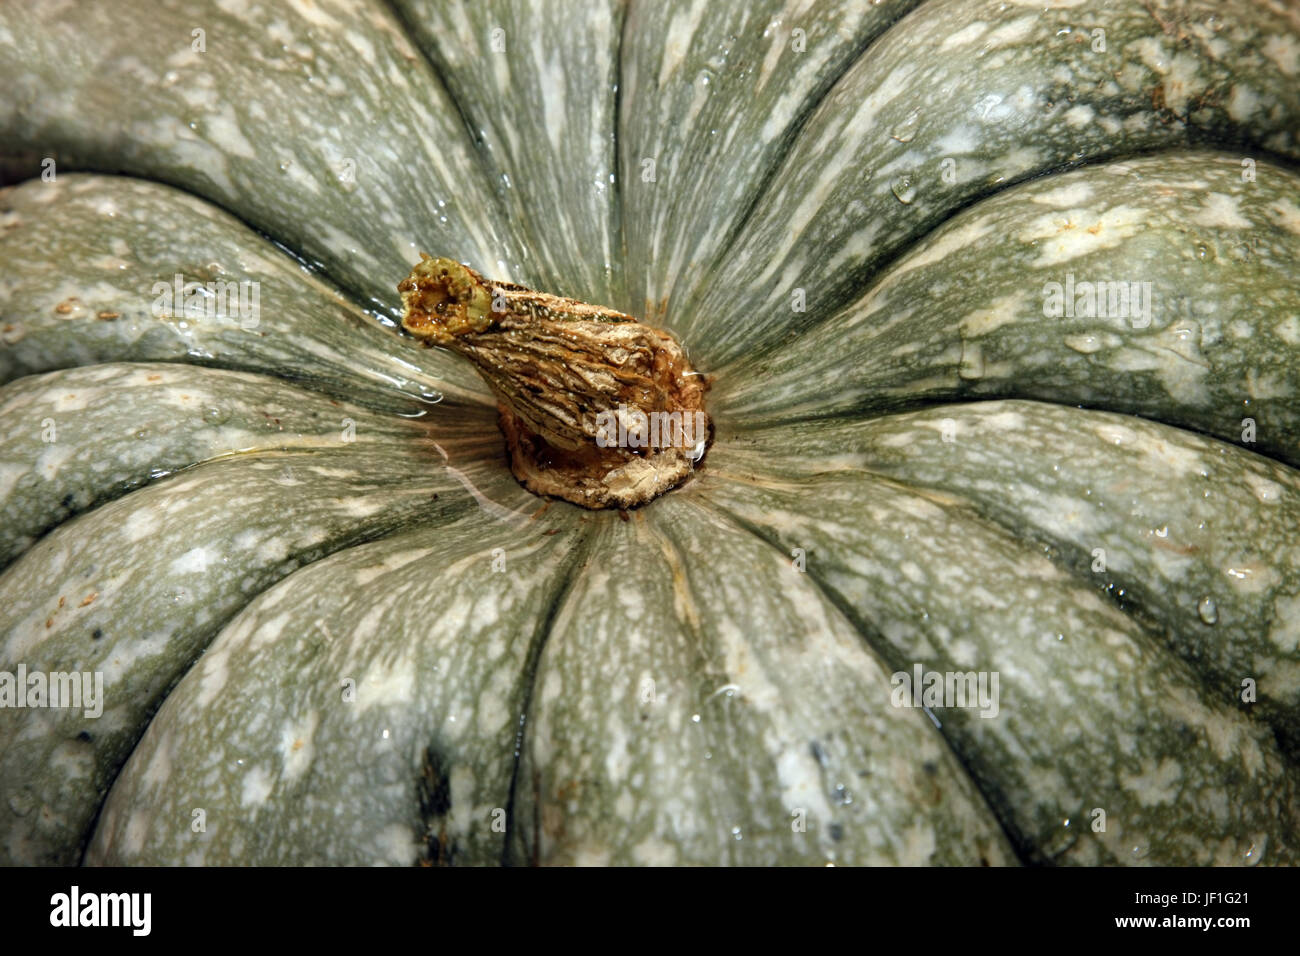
(597, 408)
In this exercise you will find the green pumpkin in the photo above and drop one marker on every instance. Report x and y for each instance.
(333, 628)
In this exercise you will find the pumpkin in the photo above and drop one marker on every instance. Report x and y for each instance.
(331, 625)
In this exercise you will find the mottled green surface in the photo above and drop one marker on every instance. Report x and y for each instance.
(74, 438)
(1003, 91)
(541, 95)
(1196, 538)
(708, 679)
(680, 703)
(113, 239)
(1094, 713)
(135, 589)
(421, 734)
(714, 97)
(317, 122)
(963, 316)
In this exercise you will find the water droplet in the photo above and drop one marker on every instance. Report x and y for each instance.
(903, 188)
(695, 718)
(214, 415)
(735, 832)
(906, 130)
(1208, 610)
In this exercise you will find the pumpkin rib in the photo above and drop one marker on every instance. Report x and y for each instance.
(125, 235)
(558, 597)
(871, 279)
(867, 279)
(221, 415)
(1125, 669)
(880, 648)
(852, 191)
(411, 620)
(862, 38)
(944, 323)
(410, 28)
(875, 645)
(715, 757)
(988, 467)
(548, 152)
(197, 571)
(298, 187)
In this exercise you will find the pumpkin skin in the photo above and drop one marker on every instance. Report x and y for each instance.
(552, 685)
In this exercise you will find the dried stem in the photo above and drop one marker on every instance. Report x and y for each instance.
(597, 408)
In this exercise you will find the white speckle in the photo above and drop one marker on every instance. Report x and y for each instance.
(391, 563)
(1085, 344)
(1221, 211)
(195, 561)
(257, 786)
(222, 130)
(1065, 197)
(652, 852)
(1006, 421)
(395, 845)
(1156, 784)
(51, 459)
(360, 507)
(1285, 634)
(681, 30)
(9, 475)
(1266, 490)
(297, 746)
(272, 550)
(999, 312)
(1013, 32)
(386, 686)
(1113, 434)
(1288, 215)
(212, 678)
(960, 238)
(1078, 116)
(1242, 103)
(314, 14)
(1284, 50)
(1065, 237)
(966, 36)
(140, 525)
